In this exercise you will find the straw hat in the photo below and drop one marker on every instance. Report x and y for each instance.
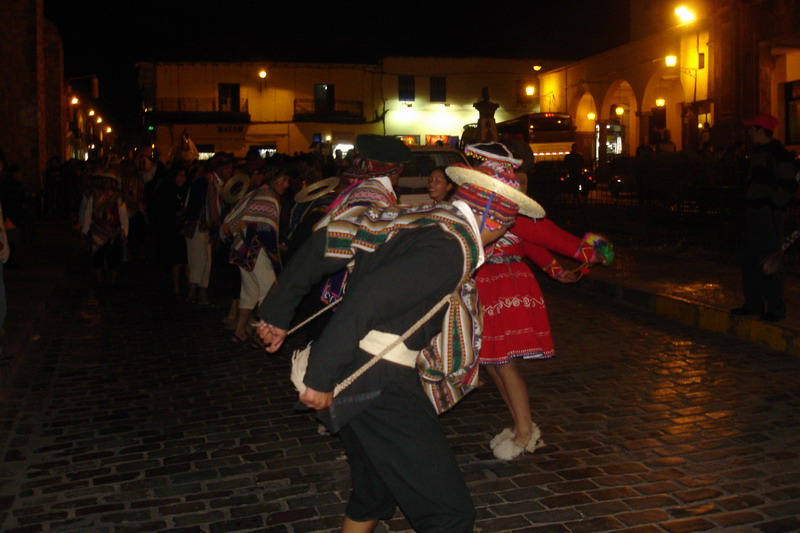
(235, 188)
(316, 190)
(495, 177)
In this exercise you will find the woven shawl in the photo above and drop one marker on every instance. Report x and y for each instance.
(356, 199)
(448, 367)
(253, 225)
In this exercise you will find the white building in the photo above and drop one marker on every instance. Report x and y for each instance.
(295, 107)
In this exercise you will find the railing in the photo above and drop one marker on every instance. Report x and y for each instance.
(341, 108)
(201, 105)
(678, 198)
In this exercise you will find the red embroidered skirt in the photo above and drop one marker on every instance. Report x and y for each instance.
(515, 320)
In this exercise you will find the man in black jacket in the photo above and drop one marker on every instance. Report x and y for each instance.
(769, 189)
(405, 261)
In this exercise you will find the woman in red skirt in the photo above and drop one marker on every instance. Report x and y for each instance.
(515, 324)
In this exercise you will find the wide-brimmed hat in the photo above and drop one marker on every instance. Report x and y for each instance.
(493, 151)
(495, 178)
(316, 190)
(764, 120)
(382, 148)
(235, 188)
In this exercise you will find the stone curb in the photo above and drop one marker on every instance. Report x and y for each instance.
(699, 315)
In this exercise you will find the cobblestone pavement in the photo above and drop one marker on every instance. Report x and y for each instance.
(134, 413)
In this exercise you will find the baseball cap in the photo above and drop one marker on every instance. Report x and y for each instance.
(763, 120)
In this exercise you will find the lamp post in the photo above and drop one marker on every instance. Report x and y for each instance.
(687, 16)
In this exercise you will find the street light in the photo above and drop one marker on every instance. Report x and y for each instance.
(74, 100)
(660, 102)
(262, 73)
(685, 14)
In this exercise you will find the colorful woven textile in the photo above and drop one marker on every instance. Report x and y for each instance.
(356, 199)
(107, 207)
(252, 225)
(448, 367)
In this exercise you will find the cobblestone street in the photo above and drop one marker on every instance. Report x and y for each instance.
(133, 412)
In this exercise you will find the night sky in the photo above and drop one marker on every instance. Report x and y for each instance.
(108, 37)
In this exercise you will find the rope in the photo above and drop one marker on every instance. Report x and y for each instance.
(369, 364)
(312, 317)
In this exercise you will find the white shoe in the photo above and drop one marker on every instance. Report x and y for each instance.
(535, 442)
(508, 449)
(500, 437)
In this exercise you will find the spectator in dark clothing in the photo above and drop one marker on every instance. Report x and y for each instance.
(769, 188)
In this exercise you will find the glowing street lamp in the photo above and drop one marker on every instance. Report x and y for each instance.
(262, 74)
(685, 14)
(619, 110)
(74, 100)
(591, 116)
(99, 120)
(660, 102)
(108, 129)
(537, 68)
(671, 61)
(91, 112)
(530, 90)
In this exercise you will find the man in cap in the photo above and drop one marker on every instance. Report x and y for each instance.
(396, 447)
(372, 176)
(770, 186)
(371, 180)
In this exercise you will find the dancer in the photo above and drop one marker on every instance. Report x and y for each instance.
(515, 324)
(396, 448)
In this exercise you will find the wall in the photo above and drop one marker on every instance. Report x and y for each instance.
(22, 137)
(271, 100)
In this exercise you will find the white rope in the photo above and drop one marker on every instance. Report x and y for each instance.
(369, 364)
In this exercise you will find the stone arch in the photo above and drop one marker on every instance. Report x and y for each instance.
(667, 86)
(621, 94)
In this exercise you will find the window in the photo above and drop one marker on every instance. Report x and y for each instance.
(405, 88)
(324, 98)
(527, 91)
(229, 97)
(438, 89)
(205, 151)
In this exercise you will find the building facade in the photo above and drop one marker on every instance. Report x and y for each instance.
(298, 107)
(32, 104)
(734, 60)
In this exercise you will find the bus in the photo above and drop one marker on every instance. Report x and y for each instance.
(550, 135)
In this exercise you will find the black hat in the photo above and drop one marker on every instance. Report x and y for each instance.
(220, 159)
(383, 149)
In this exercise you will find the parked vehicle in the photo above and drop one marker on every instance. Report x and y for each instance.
(553, 177)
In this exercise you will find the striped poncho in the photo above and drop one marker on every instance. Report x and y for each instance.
(448, 367)
(252, 225)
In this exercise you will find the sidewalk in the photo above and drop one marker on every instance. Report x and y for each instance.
(690, 287)
(682, 285)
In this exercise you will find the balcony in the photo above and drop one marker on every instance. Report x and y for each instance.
(202, 110)
(336, 111)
